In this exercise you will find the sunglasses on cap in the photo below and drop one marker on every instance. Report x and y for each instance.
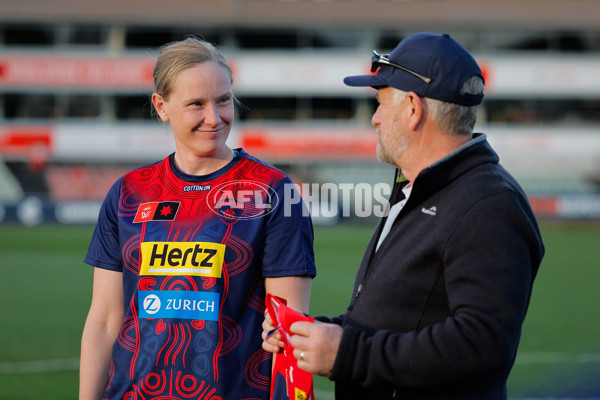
(377, 59)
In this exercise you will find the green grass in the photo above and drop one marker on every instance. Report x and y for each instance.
(45, 292)
(564, 317)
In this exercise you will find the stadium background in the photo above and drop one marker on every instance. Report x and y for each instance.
(74, 115)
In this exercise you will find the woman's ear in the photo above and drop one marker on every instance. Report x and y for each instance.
(159, 105)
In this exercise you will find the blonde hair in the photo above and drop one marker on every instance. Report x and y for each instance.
(177, 56)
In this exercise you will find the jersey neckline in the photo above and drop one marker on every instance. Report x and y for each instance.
(237, 155)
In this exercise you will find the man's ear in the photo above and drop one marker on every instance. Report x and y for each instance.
(416, 110)
(159, 105)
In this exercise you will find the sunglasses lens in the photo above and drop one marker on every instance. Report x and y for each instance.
(375, 61)
(378, 59)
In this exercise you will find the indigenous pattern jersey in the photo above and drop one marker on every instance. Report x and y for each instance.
(194, 252)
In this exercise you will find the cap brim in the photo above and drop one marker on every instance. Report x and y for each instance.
(374, 81)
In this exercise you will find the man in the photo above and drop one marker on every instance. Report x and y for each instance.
(445, 282)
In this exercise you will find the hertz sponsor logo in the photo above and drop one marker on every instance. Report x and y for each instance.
(300, 394)
(182, 258)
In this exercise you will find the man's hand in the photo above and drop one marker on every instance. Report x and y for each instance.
(316, 345)
(272, 341)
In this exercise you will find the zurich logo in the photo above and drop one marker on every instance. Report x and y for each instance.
(151, 304)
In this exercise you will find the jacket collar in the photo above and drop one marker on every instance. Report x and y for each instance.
(441, 173)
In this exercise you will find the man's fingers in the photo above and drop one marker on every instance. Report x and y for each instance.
(272, 340)
(269, 347)
(300, 342)
(268, 323)
(302, 328)
(272, 344)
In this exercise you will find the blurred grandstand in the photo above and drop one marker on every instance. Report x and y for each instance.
(75, 80)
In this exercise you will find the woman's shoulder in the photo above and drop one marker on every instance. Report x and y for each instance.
(260, 169)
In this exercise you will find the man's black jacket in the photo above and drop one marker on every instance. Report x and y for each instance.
(437, 311)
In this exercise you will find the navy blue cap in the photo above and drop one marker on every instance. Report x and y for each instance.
(438, 58)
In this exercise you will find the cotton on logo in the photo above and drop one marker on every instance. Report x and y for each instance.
(237, 200)
(152, 304)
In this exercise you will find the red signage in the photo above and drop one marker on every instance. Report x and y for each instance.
(311, 143)
(53, 71)
(15, 140)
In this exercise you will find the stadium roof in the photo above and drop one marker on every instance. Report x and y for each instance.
(391, 14)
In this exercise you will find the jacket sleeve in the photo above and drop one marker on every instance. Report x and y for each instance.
(489, 262)
(330, 320)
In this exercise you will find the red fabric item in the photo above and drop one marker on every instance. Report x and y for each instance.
(298, 383)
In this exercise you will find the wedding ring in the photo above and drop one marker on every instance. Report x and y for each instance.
(302, 356)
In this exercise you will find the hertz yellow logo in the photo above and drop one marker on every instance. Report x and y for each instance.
(300, 395)
(182, 258)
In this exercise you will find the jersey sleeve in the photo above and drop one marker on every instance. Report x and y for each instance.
(288, 242)
(105, 250)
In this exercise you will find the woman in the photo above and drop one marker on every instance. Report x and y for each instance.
(185, 250)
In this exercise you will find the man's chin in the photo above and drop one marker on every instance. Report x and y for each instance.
(382, 155)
